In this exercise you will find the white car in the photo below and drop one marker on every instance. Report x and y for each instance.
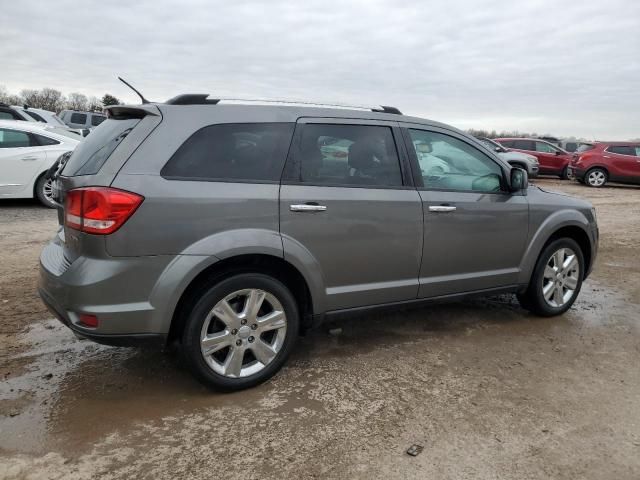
(27, 151)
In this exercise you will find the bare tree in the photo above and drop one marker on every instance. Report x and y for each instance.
(47, 99)
(77, 101)
(94, 104)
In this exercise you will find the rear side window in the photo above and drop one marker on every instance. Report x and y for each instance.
(97, 120)
(349, 155)
(43, 141)
(544, 148)
(79, 118)
(622, 150)
(524, 145)
(15, 139)
(93, 152)
(236, 151)
(35, 116)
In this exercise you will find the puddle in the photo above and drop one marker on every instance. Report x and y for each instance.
(75, 392)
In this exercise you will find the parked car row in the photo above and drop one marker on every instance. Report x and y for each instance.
(27, 152)
(77, 121)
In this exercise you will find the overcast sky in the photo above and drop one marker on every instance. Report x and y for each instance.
(562, 67)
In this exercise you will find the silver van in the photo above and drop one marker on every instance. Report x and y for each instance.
(230, 228)
(82, 120)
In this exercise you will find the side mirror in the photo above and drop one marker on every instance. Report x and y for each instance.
(498, 149)
(519, 180)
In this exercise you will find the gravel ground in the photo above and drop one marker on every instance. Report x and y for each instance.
(488, 390)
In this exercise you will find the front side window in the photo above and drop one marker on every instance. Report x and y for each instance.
(447, 163)
(235, 151)
(349, 155)
(14, 139)
(97, 120)
(544, 148)
(622, 150)
(80, 118)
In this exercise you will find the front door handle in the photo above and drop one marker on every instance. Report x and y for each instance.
(29, 159)
(307, 207)
(442, 208)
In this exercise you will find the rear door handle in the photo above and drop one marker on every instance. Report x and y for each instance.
(307, 207)
(442, 208)
(29, 159)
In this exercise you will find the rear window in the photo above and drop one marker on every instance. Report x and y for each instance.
(35, 116)
(241, 151)
(584, 147)
(93, 152)
(79, 118)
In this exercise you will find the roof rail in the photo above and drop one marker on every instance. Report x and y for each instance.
(202, 99)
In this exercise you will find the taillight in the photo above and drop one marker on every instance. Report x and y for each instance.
(99, 210)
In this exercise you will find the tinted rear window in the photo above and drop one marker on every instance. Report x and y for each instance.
(241, 151)
(78, 118)
(93, 152)
(622, 150)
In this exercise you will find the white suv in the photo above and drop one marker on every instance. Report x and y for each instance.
(27, 151)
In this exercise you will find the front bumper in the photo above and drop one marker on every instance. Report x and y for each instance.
(116, 290)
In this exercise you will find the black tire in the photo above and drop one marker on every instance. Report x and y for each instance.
(564, 175)
(590, 181)
(40, 192)
(533, 299)
(191, 346)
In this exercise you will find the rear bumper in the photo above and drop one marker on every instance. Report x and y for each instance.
(153, 340)
(116, 290)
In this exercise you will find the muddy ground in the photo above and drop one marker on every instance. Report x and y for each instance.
(488, 390)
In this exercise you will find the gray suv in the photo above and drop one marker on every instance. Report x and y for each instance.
(231, 228)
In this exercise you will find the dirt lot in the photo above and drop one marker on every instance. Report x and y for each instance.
(489, 390)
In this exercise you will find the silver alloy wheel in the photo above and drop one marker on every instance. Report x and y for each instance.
(596, 178)
(47, 190)
(243, 333)
(560, 278)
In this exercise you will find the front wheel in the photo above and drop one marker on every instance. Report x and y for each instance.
(564, 175)
(556, 280)
(241, 331)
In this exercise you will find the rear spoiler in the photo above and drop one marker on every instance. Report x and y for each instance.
(121, 112)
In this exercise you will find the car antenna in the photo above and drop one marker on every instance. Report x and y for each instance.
(144, 100)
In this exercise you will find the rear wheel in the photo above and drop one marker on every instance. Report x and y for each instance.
(596, 177)
(44, 191)
(556, 280)
(241, 331)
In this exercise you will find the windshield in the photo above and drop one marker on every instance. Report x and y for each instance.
(93, 152)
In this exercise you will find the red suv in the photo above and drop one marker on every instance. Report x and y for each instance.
(553, 160)
(607, 161)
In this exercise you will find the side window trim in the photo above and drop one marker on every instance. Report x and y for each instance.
(415, 168)
(292, 171)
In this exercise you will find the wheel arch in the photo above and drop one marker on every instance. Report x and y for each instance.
(270, 265)
(567, 223)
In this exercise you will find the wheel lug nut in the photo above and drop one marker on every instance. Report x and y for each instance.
(238, 342)
(254, 326)
(234, 331)
(250, 339)
(243, 321)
